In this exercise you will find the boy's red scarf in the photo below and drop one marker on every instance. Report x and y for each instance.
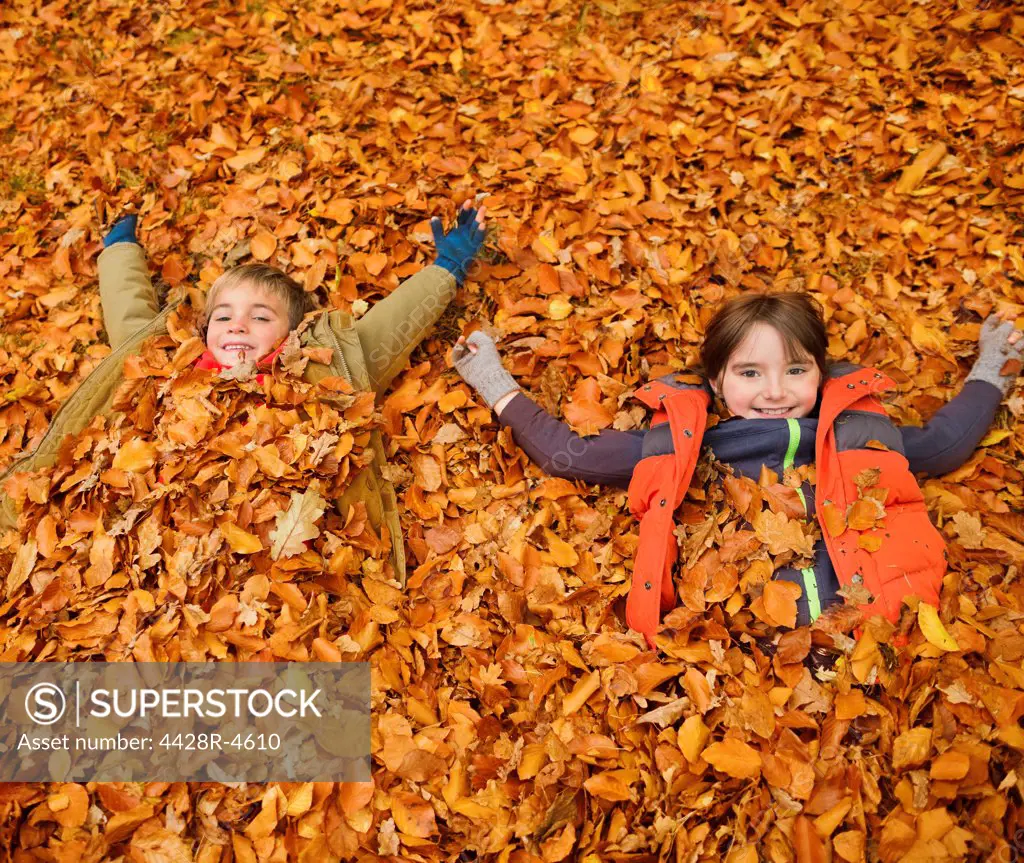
(209, 361)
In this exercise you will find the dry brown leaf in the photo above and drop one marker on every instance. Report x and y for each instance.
(734, 758)
(296, 525)
(780, 602)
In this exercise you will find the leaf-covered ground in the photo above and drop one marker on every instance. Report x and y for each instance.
(640, 162)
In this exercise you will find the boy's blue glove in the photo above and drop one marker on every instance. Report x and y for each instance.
(123, 231)
(457, 248)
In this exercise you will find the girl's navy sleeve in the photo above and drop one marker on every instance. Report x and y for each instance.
(607, 458)
(950, 437)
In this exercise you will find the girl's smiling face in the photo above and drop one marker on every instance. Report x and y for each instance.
(762, 380)
(246, 324)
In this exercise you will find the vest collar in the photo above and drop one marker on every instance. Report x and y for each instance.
(843, 390)
(657, 391)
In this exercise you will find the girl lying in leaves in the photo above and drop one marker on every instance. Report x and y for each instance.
(783, 415)
(250, 311)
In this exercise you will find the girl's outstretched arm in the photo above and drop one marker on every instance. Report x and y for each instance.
(607, 458)
(951, 436)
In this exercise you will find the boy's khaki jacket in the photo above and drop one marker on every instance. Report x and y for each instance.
(368, 353)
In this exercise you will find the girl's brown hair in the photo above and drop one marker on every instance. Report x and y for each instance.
(261, 277)
(797, 317)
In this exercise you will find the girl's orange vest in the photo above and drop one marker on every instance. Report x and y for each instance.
(910, 558)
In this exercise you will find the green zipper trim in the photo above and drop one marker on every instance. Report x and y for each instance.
(810, 580)
(794, 443)
(811, 589)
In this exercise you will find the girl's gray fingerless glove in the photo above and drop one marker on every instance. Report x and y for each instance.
(993, 352)
(483, 370)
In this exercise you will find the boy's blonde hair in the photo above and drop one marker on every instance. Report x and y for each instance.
(261, 277)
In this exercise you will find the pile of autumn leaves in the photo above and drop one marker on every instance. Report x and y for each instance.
(200, 483)
(958, 723)
(737, 532)
(214, 490)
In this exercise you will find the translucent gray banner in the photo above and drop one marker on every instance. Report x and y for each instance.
(184, 722)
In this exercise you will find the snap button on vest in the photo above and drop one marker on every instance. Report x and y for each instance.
(851, 386)
(647, 585)
(661, 398)
(857, 579)
(663, 501)
(647, 387)
(687, 433)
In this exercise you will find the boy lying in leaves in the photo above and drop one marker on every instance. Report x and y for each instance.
(250, 312)
(193, 523)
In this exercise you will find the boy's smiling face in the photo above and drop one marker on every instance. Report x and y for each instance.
(245, 324)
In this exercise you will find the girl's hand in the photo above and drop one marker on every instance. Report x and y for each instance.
(998, 346)
(457, 248)
(476, 358)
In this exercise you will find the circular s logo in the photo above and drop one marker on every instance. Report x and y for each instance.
(45, 703)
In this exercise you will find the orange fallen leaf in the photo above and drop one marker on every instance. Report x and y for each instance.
(376, 263)
(135, 456)
(693, 736)
(734, 758)
(588, 417)
(911, 748)
(612, 785)
(780, 602)
(914, 173)
(833, 519)
(69, 804)
(240, 541)
(581, 692)
(262, 245)
(246, 158)
(862, 514)
(453, 400)
(850, 705)
(413, 815)
(950, 766)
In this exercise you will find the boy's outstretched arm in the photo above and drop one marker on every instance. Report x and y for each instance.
(607, 458)
(126, 290)
(390, 330)
(949, 438)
